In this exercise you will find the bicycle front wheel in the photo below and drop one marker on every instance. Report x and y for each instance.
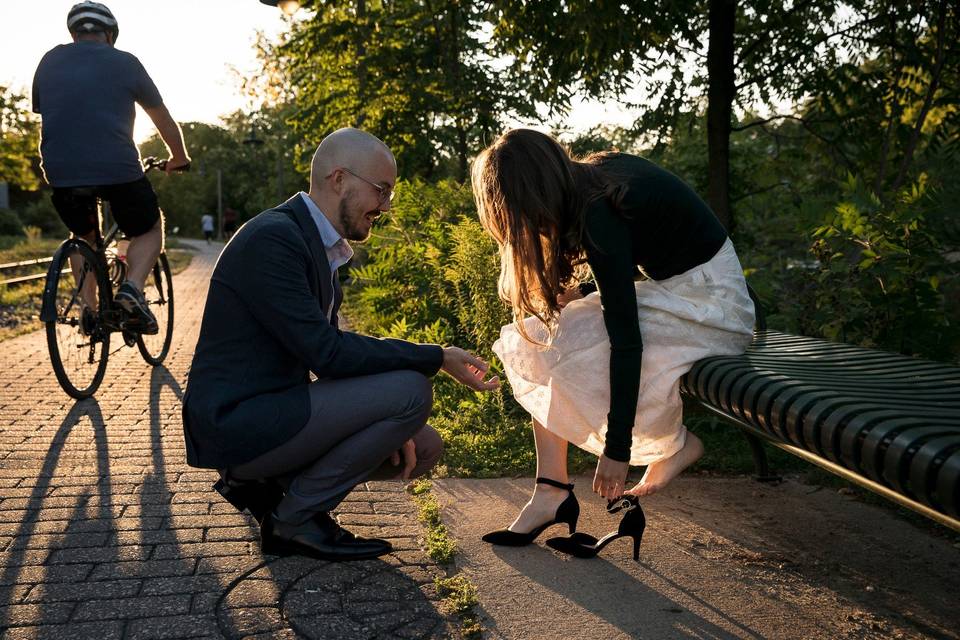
(158, 291)
(75, 299)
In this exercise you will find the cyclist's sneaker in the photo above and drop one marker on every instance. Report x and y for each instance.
(139, 316)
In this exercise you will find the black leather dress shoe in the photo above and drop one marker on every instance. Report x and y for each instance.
(259, 497)
(320, 537)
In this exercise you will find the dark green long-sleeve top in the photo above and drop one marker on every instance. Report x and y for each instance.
(664, 228)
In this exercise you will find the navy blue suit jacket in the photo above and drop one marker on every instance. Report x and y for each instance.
(264, 330)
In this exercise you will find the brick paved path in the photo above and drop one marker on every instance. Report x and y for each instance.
(106, 533)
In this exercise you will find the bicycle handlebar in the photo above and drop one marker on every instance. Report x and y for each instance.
(152, 162)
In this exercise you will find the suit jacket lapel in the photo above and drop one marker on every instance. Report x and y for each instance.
(309, 228)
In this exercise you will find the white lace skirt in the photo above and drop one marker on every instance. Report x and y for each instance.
(565, 386)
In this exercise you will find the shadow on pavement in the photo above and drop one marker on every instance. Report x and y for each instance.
(96, 532)
(593, 584)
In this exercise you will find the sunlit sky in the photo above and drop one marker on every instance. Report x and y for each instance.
(189, 48)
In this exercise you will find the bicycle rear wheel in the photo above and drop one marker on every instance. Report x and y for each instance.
(158, 290)
(77, 339)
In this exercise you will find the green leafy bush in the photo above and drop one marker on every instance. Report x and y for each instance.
(41, 214)
(10, 224)
(430, 275)
(875, 276)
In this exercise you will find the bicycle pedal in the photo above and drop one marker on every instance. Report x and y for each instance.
(129, 338)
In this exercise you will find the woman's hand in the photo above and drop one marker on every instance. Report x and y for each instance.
(568, 296)
(610, 478)
(468, 369)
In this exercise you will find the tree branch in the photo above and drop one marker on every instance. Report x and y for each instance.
(761, 76)
(769, 187)
(928, 100)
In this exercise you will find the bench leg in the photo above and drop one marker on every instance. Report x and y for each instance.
(760, 460)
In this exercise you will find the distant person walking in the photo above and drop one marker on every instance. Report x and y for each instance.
(206, 223)
(229, 222)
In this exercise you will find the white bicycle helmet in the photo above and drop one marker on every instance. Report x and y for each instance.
(87, 17)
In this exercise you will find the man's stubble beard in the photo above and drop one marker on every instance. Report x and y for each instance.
(349, 225)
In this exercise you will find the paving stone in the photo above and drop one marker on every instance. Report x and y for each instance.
(229, 534)
(77, 591)
(133, 607)
(45, 613)
(73, 631)
(32, 574)
(181, 584)
(151, 568)
(174, 627)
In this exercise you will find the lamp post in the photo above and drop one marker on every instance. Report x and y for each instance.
(289, 7)
(253, 141)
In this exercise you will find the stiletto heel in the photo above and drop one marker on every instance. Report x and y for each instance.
(582, 545)
(568, 512)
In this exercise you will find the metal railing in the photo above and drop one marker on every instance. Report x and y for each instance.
(19, 265)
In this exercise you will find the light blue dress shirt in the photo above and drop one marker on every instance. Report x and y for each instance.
(337, 249)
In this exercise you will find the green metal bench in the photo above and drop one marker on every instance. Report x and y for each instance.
(887, 422)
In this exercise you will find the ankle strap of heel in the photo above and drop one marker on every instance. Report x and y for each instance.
(554, 483)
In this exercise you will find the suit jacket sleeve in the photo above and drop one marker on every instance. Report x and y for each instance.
(272, 279)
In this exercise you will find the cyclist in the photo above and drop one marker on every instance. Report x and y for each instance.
(85, 94)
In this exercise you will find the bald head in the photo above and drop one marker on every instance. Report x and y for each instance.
(351, 148)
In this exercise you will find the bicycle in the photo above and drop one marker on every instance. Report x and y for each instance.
(78, 332)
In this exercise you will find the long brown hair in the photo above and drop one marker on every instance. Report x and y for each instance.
(531, 197)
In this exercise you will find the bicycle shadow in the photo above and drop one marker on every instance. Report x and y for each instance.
(20, 567)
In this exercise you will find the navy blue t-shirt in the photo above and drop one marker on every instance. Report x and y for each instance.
(85, 93)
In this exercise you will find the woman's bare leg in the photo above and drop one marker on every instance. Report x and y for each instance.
(551, 463)
(660, 473)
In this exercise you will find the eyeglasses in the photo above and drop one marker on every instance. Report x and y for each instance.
(386, 193)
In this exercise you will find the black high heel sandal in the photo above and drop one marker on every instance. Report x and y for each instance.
(582, 545)
(568, 512)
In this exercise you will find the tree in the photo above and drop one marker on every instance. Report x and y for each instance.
(757, 51)
(412, 72)
(19, 141)
(253, 177)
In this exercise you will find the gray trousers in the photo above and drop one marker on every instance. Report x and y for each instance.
(355, 425)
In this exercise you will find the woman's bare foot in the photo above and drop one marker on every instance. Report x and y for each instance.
(660, 473)
(541, 508)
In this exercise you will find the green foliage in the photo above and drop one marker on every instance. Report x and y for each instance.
(430, 275)
(881, 266)
(458, 592)
(19, 139)
(41, 213)
(460, 598)
(10, 224)
(413, 73)
(253, 177)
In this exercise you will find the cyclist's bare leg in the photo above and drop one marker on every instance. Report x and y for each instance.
(89, 292)
(143, 252)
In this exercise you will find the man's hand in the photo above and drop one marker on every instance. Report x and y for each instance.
(568, 296)
(610, 478)
(175, 162)
(468, 369)
(409, 451)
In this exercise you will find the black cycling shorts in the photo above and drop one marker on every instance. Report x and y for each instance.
(133, 206)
